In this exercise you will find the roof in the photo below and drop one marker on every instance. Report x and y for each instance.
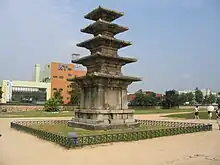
(103, 40)
(101, 25)
(131, 97)
(103, 13)
(106, 76)
(98, 55)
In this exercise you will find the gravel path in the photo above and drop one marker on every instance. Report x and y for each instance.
(18, 148)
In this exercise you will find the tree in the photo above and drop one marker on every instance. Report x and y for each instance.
(218, 100)
(74, 94)
(1, 92)
(190, 97)
(57, 95)
(171, 100)
(143, 99)
(210, 99)
(139, 99)
(52, 105)
(182, 98)
(198, 96)
(150, 99)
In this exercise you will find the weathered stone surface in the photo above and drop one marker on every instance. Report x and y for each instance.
(92, 126)
(103, 103)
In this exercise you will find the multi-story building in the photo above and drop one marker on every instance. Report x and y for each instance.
(25, 91)
(53, 77)
(57, 74)
(205, 92)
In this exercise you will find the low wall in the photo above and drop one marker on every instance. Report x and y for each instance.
(16, 108)
(168, 128)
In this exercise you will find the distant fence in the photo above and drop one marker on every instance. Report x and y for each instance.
(174, 128)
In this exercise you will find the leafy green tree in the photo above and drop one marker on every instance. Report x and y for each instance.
(150, 99)
(52, 105)
(190, 97)
(143, 99)
(74, 94)
(182, 98)
(198, 96)
(57, 95)
(218, 100)
(139, 99)
(171, 99)
(210, 99)
(1, 92)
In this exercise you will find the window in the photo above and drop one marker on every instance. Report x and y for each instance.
(61, 77)
(69, 74)
(54, 89)
(60, 89)
(54, 76)
(69, 69)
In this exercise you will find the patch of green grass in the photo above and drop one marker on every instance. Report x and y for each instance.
(160, 111)
(63, 129)
(202, 115)
(23, 114)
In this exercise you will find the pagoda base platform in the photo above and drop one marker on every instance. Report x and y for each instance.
(103, 119)
(90, 126)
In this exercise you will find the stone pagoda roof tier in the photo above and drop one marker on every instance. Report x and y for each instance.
(101, 40)
(104, 14)
(106, 76)
(98, 56)
(101, 26)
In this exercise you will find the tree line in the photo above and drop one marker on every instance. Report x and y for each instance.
(173, 99)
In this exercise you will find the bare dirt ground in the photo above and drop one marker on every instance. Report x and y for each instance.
(17, 148)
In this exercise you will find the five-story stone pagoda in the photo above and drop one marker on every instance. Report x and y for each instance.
(103, 103)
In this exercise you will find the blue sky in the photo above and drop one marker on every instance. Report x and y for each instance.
(176, 42)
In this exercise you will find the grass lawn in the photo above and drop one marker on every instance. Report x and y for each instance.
(63, 129)
(24, 114)
(35, 114)
(202, 115)
(160, 111)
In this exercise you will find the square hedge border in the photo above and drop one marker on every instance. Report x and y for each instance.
(133, 135)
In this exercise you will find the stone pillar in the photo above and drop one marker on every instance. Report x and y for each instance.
(124, 98)
(100, 97)
(82, 99)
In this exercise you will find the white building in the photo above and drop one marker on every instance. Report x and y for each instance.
(205, 92)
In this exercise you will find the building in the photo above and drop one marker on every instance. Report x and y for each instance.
(25, 91)
(57, 74)
(205, 92)
(43, 85)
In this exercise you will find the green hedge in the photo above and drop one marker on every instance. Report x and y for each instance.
(176, 128)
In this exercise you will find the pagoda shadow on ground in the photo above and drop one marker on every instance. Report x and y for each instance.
(51, 130)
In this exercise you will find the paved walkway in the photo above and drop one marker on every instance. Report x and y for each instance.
(17, 148)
